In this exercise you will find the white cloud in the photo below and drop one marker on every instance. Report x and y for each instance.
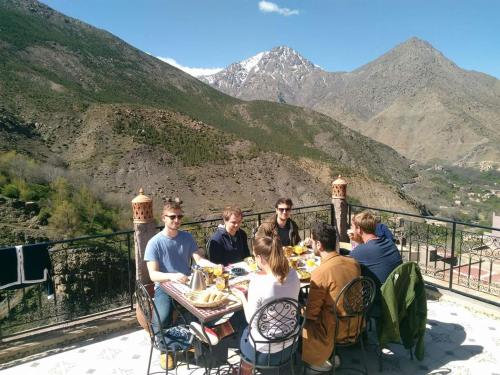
(195, 72)
(269, 7)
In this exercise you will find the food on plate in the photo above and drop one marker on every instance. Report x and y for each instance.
(212, 297)
(288, 250)
(207, 296)
(310, 263)
(303, 275)
(299, 249)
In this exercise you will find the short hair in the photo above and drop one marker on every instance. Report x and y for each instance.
(366, 221)
(231, 210)
(172, 204)
(286, 201)
(326, 234)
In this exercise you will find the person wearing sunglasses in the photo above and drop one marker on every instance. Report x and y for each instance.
(168, 255)
(281, 225)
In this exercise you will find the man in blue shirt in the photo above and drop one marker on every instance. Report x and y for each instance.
(168, 256)
(378, 256)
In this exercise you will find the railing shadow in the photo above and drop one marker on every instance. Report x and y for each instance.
(444, 343)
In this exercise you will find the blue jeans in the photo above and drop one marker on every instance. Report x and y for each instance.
(165, 307)
(262, 359)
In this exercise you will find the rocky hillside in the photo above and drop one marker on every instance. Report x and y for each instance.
(82, 98)
(412, 98)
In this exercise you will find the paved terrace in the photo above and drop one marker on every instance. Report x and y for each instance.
(462, 338)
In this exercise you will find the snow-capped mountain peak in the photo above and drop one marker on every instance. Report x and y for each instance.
(280, 63)
(252, 62)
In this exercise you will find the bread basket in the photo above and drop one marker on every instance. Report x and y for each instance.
(196, 298)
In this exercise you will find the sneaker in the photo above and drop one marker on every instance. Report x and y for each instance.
(337, 361)
(324, 367)
(167, 360)
(213, 338)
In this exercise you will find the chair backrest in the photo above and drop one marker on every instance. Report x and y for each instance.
(207, 248)
(351, 308)
(145, 310)
(279, 325)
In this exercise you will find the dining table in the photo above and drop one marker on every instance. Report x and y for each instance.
(305, 261)
(206, 316)
(180, 292)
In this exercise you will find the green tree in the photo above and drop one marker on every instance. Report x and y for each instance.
(65, 219)
(61, 190)
(11, 191)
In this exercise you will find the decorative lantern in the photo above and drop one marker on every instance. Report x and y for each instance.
(339, 188)
(142, 207)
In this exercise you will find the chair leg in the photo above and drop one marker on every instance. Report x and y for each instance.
(333, 359)
(379, 350)
(150, 356)
(363, 353)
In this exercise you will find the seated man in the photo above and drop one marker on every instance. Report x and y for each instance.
(378, 256)
(327, 281)
(229, 242)
(168, 255)
(281, 225)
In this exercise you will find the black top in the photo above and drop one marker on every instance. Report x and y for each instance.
(226, 249)
(284, 233)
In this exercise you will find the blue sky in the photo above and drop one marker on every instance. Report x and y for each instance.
(338, 35)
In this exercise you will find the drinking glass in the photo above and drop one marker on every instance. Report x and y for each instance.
(218, 270)
(220, 283)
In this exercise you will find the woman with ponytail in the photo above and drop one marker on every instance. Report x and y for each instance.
(276, 279)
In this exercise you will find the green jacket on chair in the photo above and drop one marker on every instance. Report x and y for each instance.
(404, 309)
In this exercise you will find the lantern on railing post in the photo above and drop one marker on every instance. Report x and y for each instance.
(144, 229)
(142, 207)
(339, 195)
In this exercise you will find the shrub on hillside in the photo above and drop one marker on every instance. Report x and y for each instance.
(65, 219)
(10, 190)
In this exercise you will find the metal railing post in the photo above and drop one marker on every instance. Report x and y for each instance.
(129, 273)
(453, 234)
(349, 212)
(332, 215)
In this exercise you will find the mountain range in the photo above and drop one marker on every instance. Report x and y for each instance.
(412, 98)
(78, 97)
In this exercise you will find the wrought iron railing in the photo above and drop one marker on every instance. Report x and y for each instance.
(90, 275)
(94, 275)
(463, 257)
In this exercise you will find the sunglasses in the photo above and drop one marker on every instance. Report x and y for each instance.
(172, 217)
(284, 209)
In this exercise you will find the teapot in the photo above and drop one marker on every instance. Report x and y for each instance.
(197, 278)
